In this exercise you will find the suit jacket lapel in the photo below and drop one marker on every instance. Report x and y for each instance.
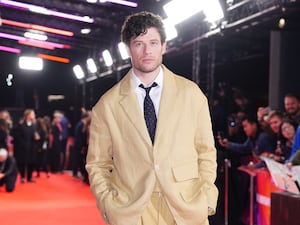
(167, 104)
(130, 106)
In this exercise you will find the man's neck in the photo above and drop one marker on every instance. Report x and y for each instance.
(147, 78)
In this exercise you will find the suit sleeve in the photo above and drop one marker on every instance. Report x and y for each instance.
(99, 157)
(205, 146)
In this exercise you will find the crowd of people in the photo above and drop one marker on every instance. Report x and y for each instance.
(244, 132)
(35, 145)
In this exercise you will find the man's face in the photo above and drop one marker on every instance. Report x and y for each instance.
(249, 128)
(291, 105)
(146, 51)
(274, 123)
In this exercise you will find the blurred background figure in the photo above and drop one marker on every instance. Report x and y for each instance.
(4, 132)
(292, 107)
(42, 147)
(65, 126)
(25, 142)
(80, 146)
(8, 170)
(55, 144)
(262, 114)
(286, 139)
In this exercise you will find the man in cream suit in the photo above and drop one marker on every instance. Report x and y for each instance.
(139, 181)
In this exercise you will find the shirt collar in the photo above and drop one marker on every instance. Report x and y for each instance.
(136, 81)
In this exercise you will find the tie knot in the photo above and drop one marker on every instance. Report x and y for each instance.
(147, 89)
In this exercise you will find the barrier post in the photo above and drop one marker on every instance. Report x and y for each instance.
(227, 165)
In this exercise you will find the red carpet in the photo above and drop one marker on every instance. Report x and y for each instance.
(60, 200)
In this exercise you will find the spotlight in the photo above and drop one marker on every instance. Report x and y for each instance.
(91, 65)
(107, 58)
(78, 71)
(123, 51)
(30, 63)
(281, 23)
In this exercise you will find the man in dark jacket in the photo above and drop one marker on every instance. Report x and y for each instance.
(8, 170)
(257, 143)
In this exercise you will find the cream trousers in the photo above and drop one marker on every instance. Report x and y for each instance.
(157, 212)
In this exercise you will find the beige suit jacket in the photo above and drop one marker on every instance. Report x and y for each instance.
(124, 166)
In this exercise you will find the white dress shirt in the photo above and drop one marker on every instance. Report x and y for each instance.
(155, 92)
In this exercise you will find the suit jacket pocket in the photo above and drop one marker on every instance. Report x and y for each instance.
(186, 171)
(188, 179)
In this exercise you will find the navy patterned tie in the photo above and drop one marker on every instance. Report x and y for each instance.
(149, 112)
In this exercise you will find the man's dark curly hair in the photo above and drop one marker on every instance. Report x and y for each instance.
(138, 23)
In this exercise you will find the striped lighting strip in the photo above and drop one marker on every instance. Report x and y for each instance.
(123, 2)
(26, 41)
(9, 49)
(35, 44)
(37, 27)
(54, 58)
(45, 11)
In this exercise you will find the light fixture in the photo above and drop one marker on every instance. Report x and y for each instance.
(37, 27)
(107, 58)
(30, 63)
(35, 36)
(11, 36)
(36, 43)
(281, 23)
(78, 71)
(212, 10)
(171, 31)
(9, 49)
(91, 1)
(45, 11)
(91, 65)
(55, 97)
(121, 2)
(85, 30)
(179, 10)
(54, 58)
(123, 50)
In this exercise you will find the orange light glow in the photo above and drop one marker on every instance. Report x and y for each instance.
(54, 58)
(37, 27)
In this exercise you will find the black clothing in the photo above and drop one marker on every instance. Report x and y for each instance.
(55, 148)
(80, 150)
(24, 143)
(3, 137)
(9, 168)
(25, 148)
(42, 152)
